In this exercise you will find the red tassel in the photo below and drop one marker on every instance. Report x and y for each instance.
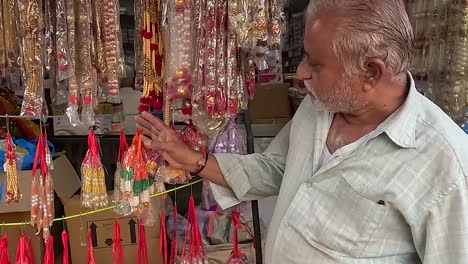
(175, 241)
(163, 237)
(65, 248)
(49, 251)
(22, 254)
(117, 254)
(195, 246)
(142, 253)
(91, 259)
(4, 255)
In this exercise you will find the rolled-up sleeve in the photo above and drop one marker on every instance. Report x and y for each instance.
(253, 176)
(443, 235)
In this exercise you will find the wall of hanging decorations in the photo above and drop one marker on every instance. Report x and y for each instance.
(440, 62)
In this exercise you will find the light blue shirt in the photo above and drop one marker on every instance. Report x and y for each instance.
(397, 195)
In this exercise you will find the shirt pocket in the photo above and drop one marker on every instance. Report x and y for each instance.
(333, 217)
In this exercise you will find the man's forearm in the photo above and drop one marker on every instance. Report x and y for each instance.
(212, 172)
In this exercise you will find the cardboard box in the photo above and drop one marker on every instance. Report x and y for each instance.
(66, 183)
(102, 227)
(270, 104)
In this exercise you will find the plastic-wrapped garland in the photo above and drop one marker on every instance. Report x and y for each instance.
(99, 44)
(221, 87)
(31, 24)
(73, 81)
(3, 60)
(127, 178)
(275, 24)
(12, 44)
(111, 14)
(65, 70)
(93, 190)
(193, 251)
(152, 49)
(138, 43)
(49, 16)
(88, 78)
(42, 190)
(123, 147)
(241, 20)
(12, 189)
(141, 199)
(181, 54)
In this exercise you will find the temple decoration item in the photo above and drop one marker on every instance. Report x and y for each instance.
(74, 79)
(150, 50)
(65, 69)
(181, 55)
(12, 189)
(42, 190)
(111, 37)
(123, 146)
(93, 190)
(12, 44)
(88, 75)
(32, 35)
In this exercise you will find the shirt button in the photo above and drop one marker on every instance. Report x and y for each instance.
(285, 226)
(308, 185)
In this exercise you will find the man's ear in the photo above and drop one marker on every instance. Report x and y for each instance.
(374, 72)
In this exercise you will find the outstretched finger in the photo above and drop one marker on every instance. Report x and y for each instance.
(154, 121)
(153, 144)
(146, 126)
(145, 131)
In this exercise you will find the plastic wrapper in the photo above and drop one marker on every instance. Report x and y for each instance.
(241, 20)
(111, 37)
(3, 59)
(151, 57)
(12, 45)
(93, 190)
(42, 190)
(231, 140)
(31, 31)
(88, 78)
(138, 43)
(65, 69)
(49, 20)
(73, 81)
(182, 31)
(135, 183)
(123, 146)
(126, 180)
(275, 27)
(194, 138)
(100, 52)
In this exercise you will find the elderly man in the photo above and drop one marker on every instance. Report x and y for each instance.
(368, 170)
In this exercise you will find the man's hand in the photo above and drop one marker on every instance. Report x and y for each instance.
(157, 136)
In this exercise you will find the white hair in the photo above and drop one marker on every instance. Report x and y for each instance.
(369, 29)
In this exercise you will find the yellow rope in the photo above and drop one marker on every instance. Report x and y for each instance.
(102, 209)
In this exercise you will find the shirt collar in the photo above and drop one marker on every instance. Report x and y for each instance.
(400, 127)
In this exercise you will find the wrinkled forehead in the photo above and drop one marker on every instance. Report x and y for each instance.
(320, 32)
